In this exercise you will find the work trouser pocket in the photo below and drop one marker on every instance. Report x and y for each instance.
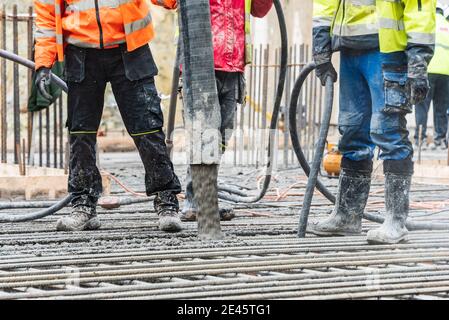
(75, 64)
(397, 98)
(139, 64)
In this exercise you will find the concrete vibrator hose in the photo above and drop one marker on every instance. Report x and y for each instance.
(66, 200)
(312, 173)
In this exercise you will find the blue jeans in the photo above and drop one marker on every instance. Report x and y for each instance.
(363, 124)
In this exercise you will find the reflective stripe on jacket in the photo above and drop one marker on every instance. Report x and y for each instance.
(404, 23)
(440, 60)
(91, 24)
(344, 24)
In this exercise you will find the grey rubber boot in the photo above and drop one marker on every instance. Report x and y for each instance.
(398, 177)
(353, 192)
(167, 207)
(82, 218)
(190, 210)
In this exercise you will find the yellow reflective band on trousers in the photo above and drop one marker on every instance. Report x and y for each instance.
(440, 60)
(405, 21)
(144, 133)
(355, 18)
(248, 46)
(82, 132)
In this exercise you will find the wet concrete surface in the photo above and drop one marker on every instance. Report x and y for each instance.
(260, 242)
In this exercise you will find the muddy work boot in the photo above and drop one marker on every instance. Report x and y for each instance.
(190, 210)
(167, 207)
(226, 213)
(190, 213)
(398, 176)
(353, 192)
(82, 218)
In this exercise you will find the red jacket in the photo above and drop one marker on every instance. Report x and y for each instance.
(228, 31)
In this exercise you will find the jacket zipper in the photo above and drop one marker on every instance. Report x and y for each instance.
(336, 12)
(97, 11)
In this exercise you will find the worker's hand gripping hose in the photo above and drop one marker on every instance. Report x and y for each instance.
(312, 173)
(59, 205)
(30, 64)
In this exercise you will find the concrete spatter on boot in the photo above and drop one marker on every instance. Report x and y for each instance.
(167, 207)
(346, 218)
(82, 218)
(353, 192)
(393, 230)
(204, 179)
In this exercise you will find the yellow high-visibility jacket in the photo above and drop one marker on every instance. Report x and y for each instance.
(440, 60)
(404, 22)
(344, 24)
(408, 26)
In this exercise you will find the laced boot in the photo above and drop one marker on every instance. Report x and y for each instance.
(83, 217)
(167, 206)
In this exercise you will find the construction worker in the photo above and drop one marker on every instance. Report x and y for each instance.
(103, 42)
(439, 88)
(373, 104)
(231, 29)
(407, 42)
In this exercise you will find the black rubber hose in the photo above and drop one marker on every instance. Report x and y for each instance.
(274, 120)
(411, 225)
(36, 215)
(60, 204)
(316, 163)
(294, 128)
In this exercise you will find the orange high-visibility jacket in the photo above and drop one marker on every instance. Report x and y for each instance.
(91, 24)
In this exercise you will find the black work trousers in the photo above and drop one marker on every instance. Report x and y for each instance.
(131, 75)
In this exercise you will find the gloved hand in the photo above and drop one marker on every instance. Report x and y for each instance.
(325, 70)
(419, 88)
(43, 80)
